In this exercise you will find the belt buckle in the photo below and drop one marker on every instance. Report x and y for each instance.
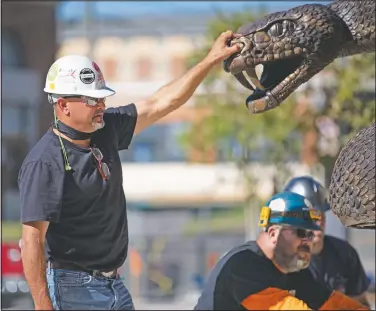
(104, 274)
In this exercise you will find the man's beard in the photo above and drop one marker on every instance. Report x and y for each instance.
(287, 261)
(98, 125)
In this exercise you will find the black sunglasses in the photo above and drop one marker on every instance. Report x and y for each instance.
(90, 101)
(304, 234)
(301, 233)
(102, 166)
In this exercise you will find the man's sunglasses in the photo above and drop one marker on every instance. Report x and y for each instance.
(102, 166)
(301, 233)
(89, 101)
(304, 234)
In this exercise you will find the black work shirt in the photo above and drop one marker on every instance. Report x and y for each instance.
(88, 221)
(246, 271)
(339, 266)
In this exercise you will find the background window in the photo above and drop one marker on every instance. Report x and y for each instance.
(158, 143)
(110, 69)
(11, 49)
(178, 66)
(143, 68)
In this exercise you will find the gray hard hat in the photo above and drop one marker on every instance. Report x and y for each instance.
(310, 188)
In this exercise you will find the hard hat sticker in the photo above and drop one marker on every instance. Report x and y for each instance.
(101, 82)
(278, 205)
(67, 74)
(87, 76)
(96, 67)
(52, 73)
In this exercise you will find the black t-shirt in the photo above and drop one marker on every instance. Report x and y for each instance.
(246, 271)
(339, 266)
(87, 215)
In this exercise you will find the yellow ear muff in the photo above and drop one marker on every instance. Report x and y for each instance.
(315, 214)
(264, 216)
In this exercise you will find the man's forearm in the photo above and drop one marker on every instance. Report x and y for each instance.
(179, 91)
(34, 265)
(176, 93)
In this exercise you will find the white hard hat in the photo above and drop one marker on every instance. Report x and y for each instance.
(76, 75)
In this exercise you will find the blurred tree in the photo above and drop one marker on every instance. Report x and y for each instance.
(340, 105)
(352, 102)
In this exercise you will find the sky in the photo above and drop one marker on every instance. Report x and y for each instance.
(127, 9)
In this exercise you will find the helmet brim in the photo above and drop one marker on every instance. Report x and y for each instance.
(102, 93)
(307, 225)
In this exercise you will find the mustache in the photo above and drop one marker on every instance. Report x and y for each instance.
(304, 248)
(98, 112)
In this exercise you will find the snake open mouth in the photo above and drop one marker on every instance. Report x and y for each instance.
(276, 75)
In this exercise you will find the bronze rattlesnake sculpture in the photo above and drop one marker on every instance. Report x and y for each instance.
(293, 46)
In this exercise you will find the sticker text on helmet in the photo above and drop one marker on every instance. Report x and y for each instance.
(87, 76)
(67, 73)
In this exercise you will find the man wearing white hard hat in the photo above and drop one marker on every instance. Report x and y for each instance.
(73, 208)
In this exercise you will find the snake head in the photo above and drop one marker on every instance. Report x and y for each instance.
(292, 46)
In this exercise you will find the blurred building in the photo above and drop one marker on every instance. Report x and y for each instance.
(28, 41)
(137, 58)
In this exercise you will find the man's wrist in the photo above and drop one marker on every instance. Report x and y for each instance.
(209, 62)
(44, 304)
(44, 307)
(41, 297)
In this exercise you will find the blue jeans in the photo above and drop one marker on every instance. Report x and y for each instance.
(75, 290)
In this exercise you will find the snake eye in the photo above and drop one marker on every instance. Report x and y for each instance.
(276, 30)
(288, 26)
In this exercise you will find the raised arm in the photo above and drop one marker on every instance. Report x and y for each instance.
(176, 93)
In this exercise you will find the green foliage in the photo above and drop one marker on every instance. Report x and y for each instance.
(349, 96)
(352, 101)
(11, 231)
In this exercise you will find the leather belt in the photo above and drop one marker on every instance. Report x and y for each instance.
(67, 266)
